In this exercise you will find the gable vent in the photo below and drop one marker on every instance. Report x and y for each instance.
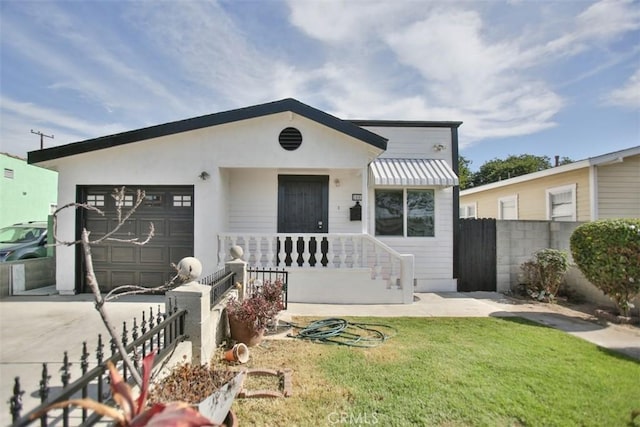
(290, 139)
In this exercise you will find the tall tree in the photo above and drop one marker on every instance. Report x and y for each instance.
(497, 169)
(465, 175)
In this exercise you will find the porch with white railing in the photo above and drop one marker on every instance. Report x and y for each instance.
(328, 267)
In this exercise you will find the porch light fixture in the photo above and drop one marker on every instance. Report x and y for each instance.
(336, 182)
(204, 175)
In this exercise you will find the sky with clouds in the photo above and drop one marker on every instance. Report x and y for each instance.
(538, 77)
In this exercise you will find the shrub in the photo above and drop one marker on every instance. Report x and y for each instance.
(608, 254)
(260, 308)
(544, 274)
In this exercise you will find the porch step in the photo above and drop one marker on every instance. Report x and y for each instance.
(342, 286)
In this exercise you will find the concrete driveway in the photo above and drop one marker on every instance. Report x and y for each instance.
(37, 329)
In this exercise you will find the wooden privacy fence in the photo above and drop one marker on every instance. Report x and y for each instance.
(477, 255)
(160, 333)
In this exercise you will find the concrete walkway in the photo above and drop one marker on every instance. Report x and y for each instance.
(40, 328)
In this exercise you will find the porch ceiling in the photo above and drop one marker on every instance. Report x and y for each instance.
(412, 172)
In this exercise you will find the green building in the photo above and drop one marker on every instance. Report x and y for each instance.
(27, 192)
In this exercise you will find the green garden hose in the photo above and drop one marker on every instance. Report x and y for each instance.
(342, 332)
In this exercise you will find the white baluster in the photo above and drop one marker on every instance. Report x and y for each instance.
(258, 241)
(330, 253)
(343, 253)
(378, 267)
(222, 249)
(357, 244)
(271, 262)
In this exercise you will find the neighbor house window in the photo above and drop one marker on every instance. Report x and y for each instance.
(508, 207)
(561, 203)
(468, 211)
(409, 213)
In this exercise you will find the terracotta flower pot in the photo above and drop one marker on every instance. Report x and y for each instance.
(244, 333)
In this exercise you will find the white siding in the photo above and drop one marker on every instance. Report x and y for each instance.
(619, 189)
(433, 255)
(417, 142)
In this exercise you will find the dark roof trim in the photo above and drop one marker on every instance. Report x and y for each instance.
(288, 104)
(407, 123)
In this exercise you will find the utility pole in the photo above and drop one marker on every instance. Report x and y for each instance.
(41, 137)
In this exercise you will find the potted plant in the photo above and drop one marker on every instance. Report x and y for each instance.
(249, 317)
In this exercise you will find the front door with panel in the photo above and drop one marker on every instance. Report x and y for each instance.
(303, 207)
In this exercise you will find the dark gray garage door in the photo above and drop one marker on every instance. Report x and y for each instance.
(170, 209)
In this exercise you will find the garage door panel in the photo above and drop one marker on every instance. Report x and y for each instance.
(159, 227)
(120, 278)
(99, 253)
(152, 278)
(124, 254)
(180, 227)
(176, 253)
(170, 209)
(154, 255)
(101, 277)
(126, 231)
(97, 226)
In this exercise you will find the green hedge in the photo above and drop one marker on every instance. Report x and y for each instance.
(608, 254)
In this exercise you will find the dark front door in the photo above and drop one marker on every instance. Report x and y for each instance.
(303, 203)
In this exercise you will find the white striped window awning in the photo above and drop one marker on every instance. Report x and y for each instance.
(412, 172)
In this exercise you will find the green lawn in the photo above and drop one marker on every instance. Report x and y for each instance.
(450, 372)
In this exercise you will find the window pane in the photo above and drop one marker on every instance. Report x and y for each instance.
(389, 213)
(420, 213)
(562, 206)
(508, 208)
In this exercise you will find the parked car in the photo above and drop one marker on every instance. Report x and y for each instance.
(23, 241)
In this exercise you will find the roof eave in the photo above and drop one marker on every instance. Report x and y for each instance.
(288, 104)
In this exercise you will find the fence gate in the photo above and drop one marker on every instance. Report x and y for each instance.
(477, 255)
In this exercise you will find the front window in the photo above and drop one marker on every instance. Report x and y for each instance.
(408, 213)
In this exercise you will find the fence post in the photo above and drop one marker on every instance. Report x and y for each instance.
(195, 298)
(239, 268)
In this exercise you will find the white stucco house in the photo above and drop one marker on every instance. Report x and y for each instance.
(357, 211)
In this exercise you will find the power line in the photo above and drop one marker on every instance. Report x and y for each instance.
(41, 137)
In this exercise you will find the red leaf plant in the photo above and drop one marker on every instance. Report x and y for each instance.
(134, 412)
(260, 308)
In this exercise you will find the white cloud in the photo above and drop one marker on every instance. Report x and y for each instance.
(410, 60)
(628, 95)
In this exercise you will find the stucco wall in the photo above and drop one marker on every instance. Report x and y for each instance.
(34, 274)
(516, 243)
(29, 194)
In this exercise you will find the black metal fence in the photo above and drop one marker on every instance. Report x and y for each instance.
(220, 281)
(269, 274)
(160, 333)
